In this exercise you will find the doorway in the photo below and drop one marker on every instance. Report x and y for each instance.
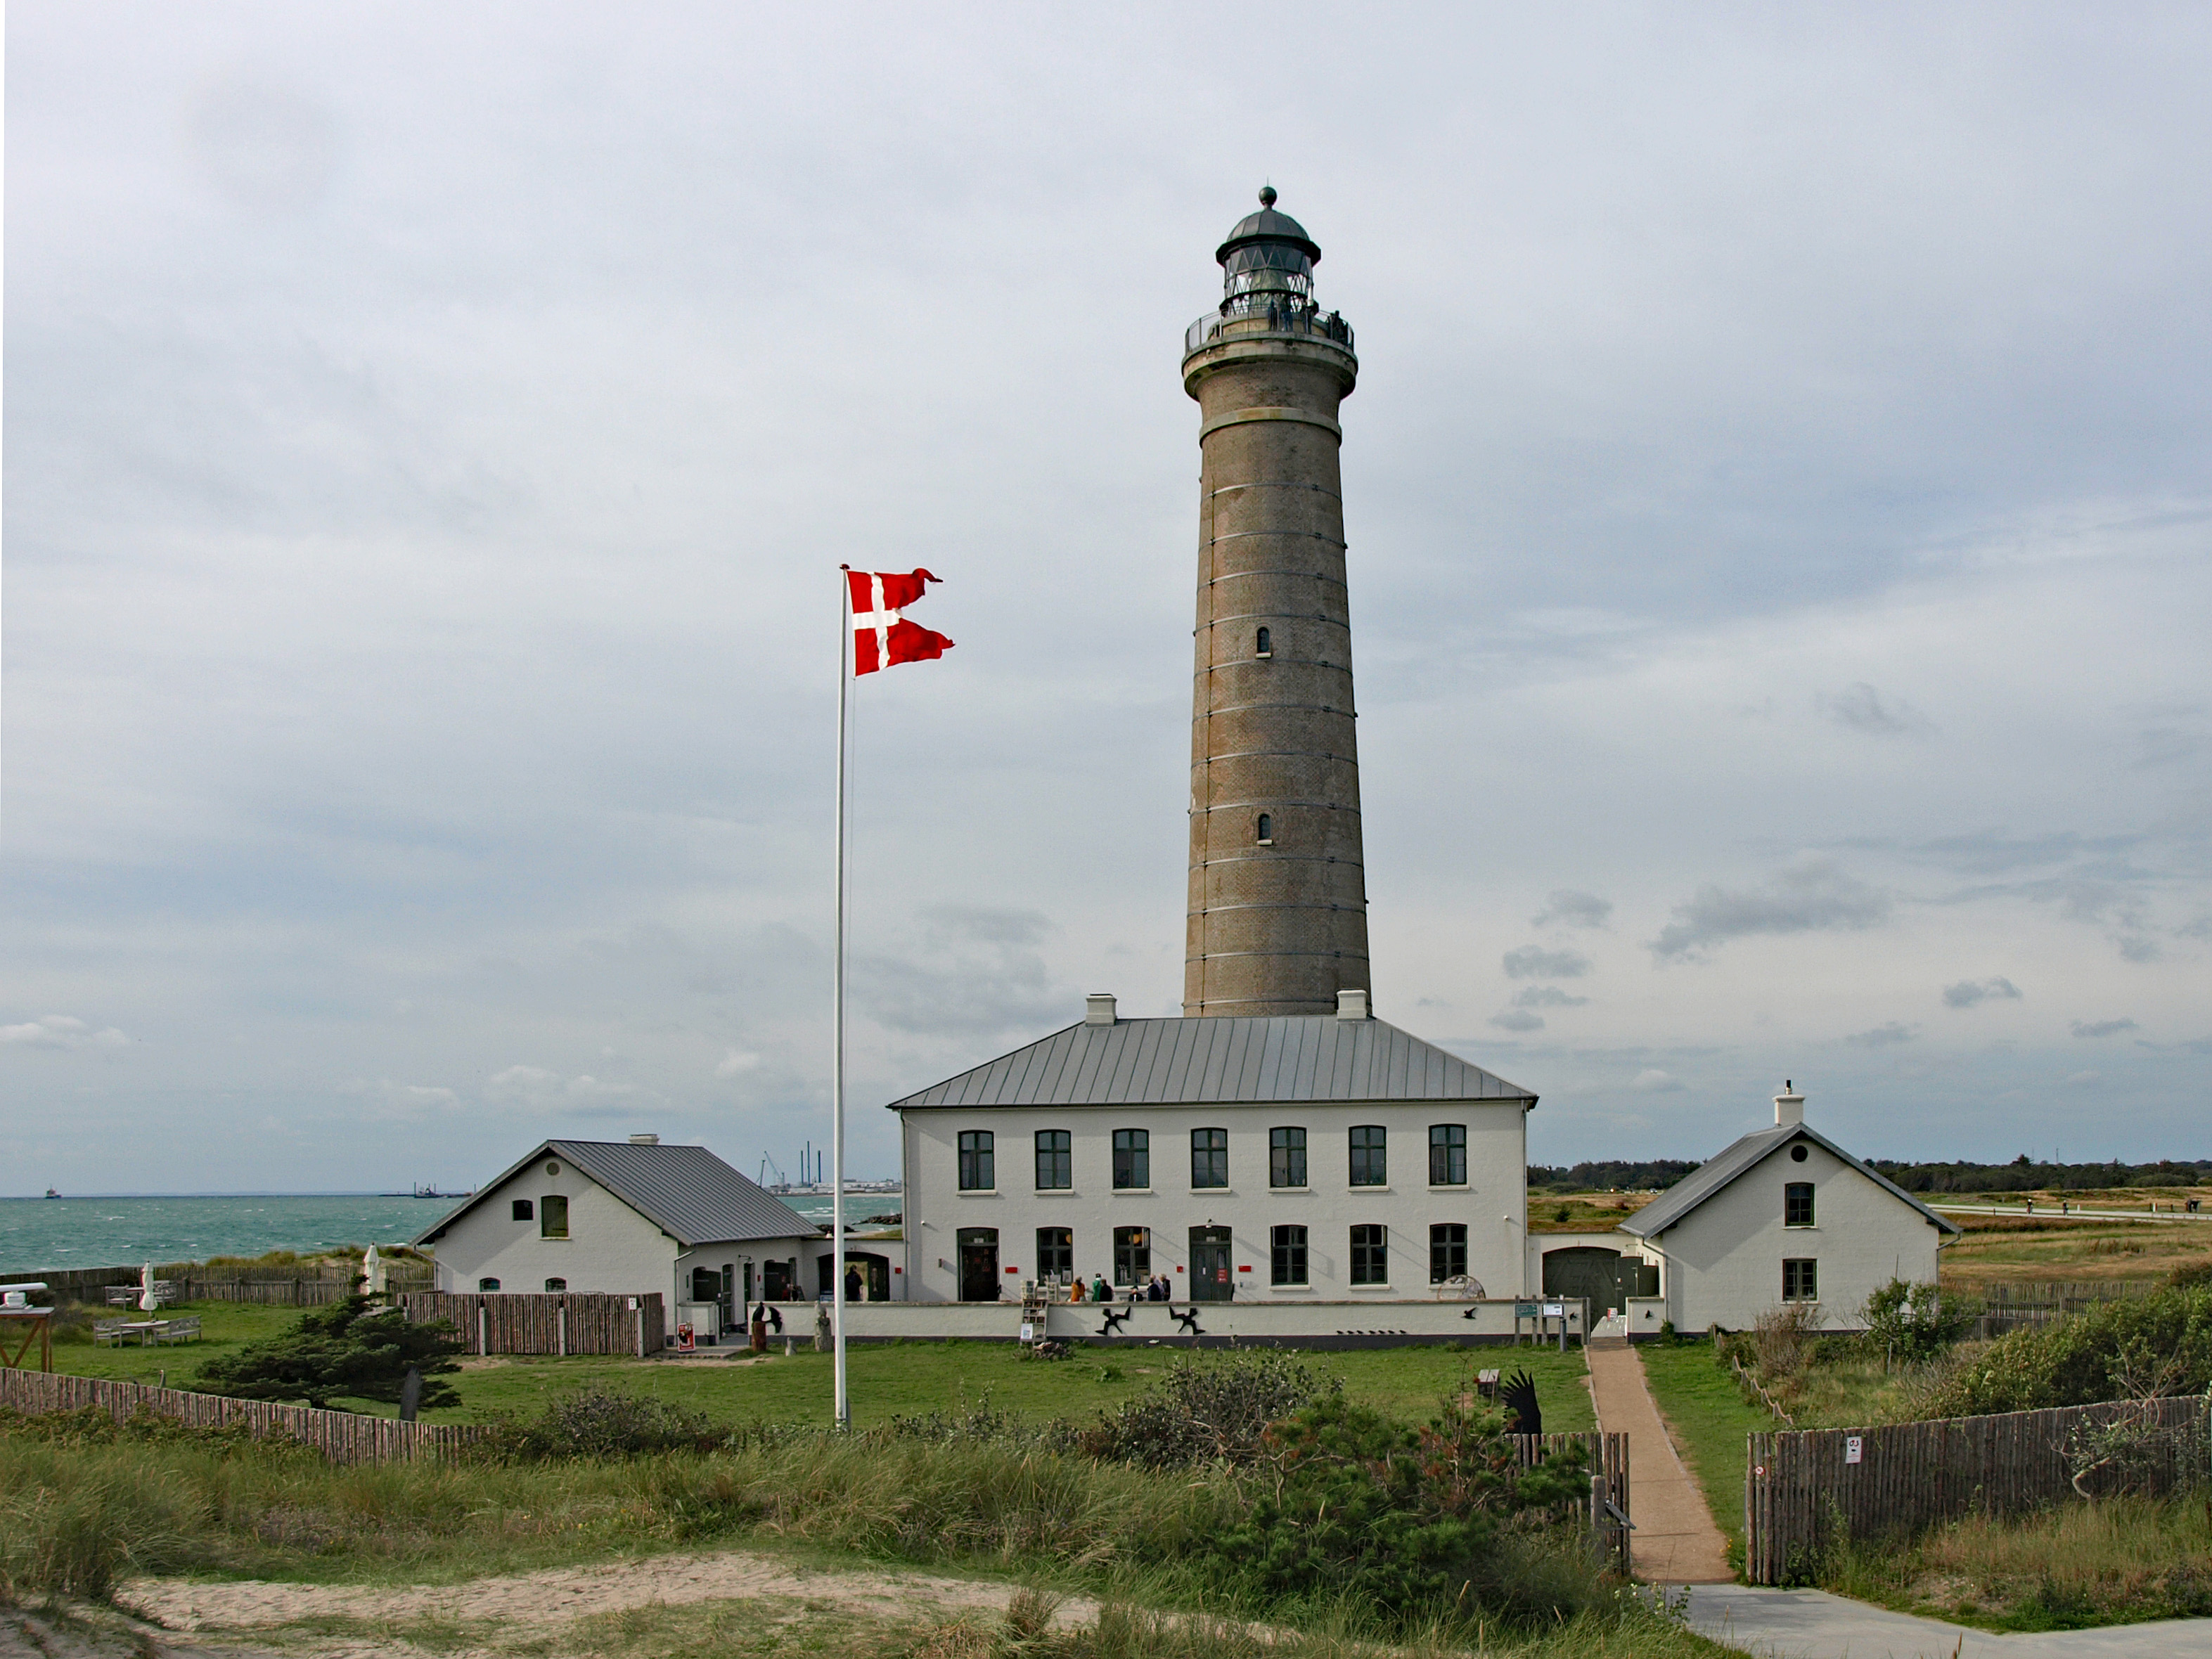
(875, 1274)
(979, 1264)
(1584, 1271)
(1210, 1266)
(779, 1281)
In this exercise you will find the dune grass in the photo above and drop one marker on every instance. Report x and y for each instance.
(2073, 1567)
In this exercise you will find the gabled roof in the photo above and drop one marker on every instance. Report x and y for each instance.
(685, 1191)
(1206, 1060)
(1709, 1177)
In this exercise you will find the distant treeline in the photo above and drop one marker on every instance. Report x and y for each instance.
(2022, 1175)
(1607, 1177)
(2025, 1174)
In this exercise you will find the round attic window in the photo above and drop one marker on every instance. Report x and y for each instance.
(552, 1167)
(1797, 1153)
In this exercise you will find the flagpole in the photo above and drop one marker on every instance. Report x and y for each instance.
(843, 1404)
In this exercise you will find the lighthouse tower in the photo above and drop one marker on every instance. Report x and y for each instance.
(1277, 921)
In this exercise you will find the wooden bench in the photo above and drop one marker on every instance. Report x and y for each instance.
(187, 1329)
(109, 1331)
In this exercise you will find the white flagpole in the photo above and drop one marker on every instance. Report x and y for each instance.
(843, 1405)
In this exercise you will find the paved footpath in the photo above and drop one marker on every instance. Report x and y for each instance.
(1810, 1624)
(1675, 1541)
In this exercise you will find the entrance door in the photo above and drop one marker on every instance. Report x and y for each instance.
(1585, 1270)
(875, 1273)
(776, 1281)
(979, 1264)
(1210, 1266)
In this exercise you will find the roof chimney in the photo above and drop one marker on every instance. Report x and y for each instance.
(1351, 1005)
(1788, 1106)
(645, 1140)
(1098, 1009)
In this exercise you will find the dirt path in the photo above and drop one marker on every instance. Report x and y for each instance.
(1675, 1541)
(559, 1595)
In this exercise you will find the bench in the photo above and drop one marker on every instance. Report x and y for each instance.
(127, 1296)
(187, 1329)
(109, 1330)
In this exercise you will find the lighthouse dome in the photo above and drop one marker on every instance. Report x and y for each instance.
(1268, 252)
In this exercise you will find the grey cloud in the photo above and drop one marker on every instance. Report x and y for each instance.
(1535, 962)
(1653, 1081)
(2134, 947)
(1813, 894)
(2103, 1028)
(1547, 996)
(1865, 709)
(1991, 852)
(1517, 1019)
(61, 1031)
(982, 924)
(1882, 1037)
(1970, 993)
(1569, 906)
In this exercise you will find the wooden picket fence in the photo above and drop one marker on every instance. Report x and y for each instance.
(342, 1437)
(502, 1321)
(1606, 1457)
(281, 1288)
(2007, 1307)
(1801, 1489)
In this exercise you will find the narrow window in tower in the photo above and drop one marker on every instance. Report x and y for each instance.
(1266, 645)
(1267, 837)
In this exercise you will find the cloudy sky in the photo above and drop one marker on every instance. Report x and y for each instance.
(1779, 489)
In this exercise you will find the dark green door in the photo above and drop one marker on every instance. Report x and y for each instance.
(1584, 1271)
(1210, 1266)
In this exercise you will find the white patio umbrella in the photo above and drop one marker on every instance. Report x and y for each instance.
(147, 1300)
(371, 1267)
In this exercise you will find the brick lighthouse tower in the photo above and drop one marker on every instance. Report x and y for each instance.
(1278, 921)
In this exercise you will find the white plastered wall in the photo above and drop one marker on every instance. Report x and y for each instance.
(1722, 1262)
(610, 1249)
(1493, 1205)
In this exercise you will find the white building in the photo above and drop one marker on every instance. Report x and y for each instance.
(1306, 1158)
(627, 1218)
(1783, 1216)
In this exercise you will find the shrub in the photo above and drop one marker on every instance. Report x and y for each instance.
(1342, 1502)
(1782, 1337)
(2157, 1343)
(1916, 1322)
(353, 1349)
(603, 1422)
(1200, 1412)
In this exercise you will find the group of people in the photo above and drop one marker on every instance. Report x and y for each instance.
(1155, 1289)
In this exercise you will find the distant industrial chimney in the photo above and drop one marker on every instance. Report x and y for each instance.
(1788, 1106)
(1098, 1009)
(645, 1140)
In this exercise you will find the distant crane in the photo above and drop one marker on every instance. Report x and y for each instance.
(768, 1163)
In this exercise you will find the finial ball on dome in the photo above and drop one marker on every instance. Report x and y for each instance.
(1267, 196)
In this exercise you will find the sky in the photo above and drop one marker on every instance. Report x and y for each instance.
(1779, 490)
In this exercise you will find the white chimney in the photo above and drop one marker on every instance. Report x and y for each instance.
(1351, 1005)
(1788, 1106)
(1098, 1009)
(645, 1140)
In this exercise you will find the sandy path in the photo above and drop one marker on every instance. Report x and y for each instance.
(557, 1595)
(1675, 1541)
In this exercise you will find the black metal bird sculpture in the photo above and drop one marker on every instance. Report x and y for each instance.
(1115, 1318)
(1188, 1320)
(1518, 1395)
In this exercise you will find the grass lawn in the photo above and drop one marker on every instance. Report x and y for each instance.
(1704, 1407)
(887, 1380)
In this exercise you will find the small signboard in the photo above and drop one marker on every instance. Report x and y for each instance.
(1524, 1311)
(1555, 1310)
(1029, 1332)
(1854, 1447)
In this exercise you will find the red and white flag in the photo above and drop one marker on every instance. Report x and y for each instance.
(881, 636)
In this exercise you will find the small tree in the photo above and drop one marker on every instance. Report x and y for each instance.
(1915, 1322)
(352, 1350)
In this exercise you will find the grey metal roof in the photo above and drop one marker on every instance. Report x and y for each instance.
(1206, 1060)
(1715, 1172)
(685, 1191)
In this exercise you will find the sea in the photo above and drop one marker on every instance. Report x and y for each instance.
(39, 1233)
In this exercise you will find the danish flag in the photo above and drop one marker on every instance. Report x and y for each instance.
(881, 636)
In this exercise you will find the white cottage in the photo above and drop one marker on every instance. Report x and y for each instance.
(1295, 1158)
(626, 1218)
(1783, 1216)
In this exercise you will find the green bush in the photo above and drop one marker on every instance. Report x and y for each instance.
(2161, 1343)
(1916, 1322)
(1343, 1503)
(1204, 1412)
(354, 1349)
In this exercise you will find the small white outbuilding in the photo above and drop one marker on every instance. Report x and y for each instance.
(627, 1218)
(1784, 1216)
